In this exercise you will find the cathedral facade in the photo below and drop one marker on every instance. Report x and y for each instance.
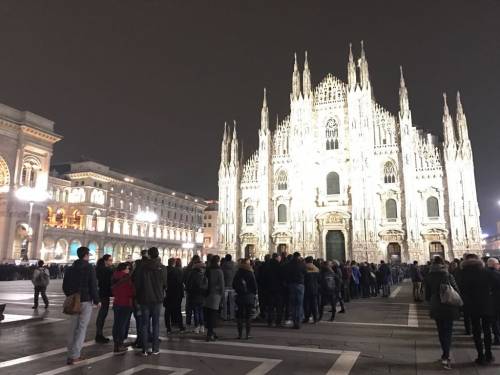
(343, 178)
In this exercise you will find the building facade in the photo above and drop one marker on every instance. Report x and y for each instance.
(26, 144)
(342, 178)
(90, 204)
(210, 229)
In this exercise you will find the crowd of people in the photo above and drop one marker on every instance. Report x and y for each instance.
(282, 291)
(11, 272)
(475, 283)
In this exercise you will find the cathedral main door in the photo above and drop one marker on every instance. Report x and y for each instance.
(335, 245)
(394, 252)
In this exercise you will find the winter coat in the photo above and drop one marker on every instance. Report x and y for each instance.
(385, 273)
(122, 289)
(311, 280)
(229, 270)
(150, 282)
(38, 279)
(80, 278)
(356, 275)
(495, 277)
(245, 285)
(476, 285)
(175, 289)
(326, 274)
(216, 286)
(272, 278)
(295, 271)
(415, 274)
(196, 284)
(433, 280)
(104, 275)
(365, 274)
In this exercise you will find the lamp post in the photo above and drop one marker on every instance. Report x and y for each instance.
(32, 196)
(146, 217)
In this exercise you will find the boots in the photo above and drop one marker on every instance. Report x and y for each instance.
(239, 323)
(248, 328)
(119, 348)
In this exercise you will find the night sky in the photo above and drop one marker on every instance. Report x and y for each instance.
(145, 86)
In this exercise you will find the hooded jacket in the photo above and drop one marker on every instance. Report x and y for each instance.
(245, 275)
(196, 284)
(433, 280)
(80, 278)
(150, 282)
(123, 289)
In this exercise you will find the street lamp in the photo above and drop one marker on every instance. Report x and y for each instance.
(146, 217)
(32, 196)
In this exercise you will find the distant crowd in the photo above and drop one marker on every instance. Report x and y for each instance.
(11, 272)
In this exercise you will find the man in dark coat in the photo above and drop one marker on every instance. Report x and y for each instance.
(329, 284)
(416, 279)
(494, 267)
(476, 285)
(104, 273)
(295, 272)
(311, 291)
(150, 284)
(173, 297)
(271, 275)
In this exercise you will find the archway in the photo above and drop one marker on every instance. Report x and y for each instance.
(394, 252)
(335, 246)
(73, 247)
(282, 248)
(249, 251)
(436, 249)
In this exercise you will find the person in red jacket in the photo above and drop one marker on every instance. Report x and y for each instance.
(123, 292)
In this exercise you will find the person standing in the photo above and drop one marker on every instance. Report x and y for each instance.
(385, 278)
(104, 273)
(493, 267)
(295, 272)
(443, 314)
(229, 269)
(150, 284)
(245, 286)
(215, 292)
(311, 291)
(196, 287)
(329, 284)
(272, 277)
(416, 279)
(477, 285)
(123, 292)
(40, 280)
(80, 278)
(173, 297)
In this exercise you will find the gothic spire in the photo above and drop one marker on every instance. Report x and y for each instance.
(295, 80)
(463, 133)
(448, 131)
(224, 148)
(306, 78)
(234, 147)
(404, 106)
(363, 68)
(264, 115)
(351, 69)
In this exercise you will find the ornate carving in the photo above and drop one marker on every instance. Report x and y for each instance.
(334, 218)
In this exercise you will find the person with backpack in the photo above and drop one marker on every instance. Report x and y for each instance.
(214, 293)
(41, 279)
(245, 286)
(80, 279)
(311, 291)
(196, 287)
(329, 282)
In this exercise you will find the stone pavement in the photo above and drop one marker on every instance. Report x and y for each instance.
(376, 336)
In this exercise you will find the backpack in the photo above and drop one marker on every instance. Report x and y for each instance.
(240, 285)
(329, 282)
(42, 278)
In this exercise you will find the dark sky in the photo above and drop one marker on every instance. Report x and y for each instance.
(145, 86)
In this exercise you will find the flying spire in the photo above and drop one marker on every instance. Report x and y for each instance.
(264, 114)
(351, 69)
(295, 79)
(306, 78)
(404, 106)
(448, 131)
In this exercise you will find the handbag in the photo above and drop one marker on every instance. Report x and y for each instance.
(448, 295)
(72, 305)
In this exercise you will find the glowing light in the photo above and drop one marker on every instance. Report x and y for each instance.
(146, 216)
(28, 194)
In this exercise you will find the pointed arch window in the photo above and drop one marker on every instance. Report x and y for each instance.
(391, 209)
(332, 183)
(282, 180)
(249, 219)
(332, 135)
(389, 173)
(432, 207)
(282, 214)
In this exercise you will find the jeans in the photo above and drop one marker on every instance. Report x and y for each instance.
(482, 324)
(150, 312)
(244, 315)
(445, 329)
(328, 299)
(386, 290)
(296, 302)
(228, 304)
(78, 329)
(101, 315)
(121, 323)
(418, 291)
(189, 311)
(41, 290)
(275, 309)
(198, 314)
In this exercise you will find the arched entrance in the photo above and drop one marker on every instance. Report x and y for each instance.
(394, 252)
(436, 249)
(249, 251)
(335, 245)
(282, 248)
